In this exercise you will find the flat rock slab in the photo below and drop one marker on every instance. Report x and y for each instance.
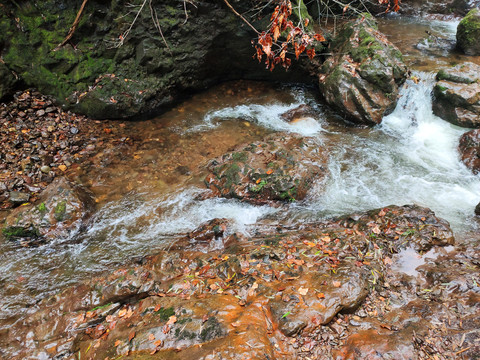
(457, 95)
(276, 294)
(281, 167)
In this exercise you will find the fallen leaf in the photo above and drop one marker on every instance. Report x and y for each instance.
(321, 295)
(269, 171)
(235, 324)
(131, 335)
(62, 167)
(122, 313)
(302, 290)
(158, 343)
(151, 337)
(118, 342)
(172, 320)
(336, 283)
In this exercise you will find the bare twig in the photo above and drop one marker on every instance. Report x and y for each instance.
(153, 13)
(241, 17)
(74, 26)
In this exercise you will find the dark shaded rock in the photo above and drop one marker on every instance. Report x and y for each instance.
(363, 77)
(477, 209)
(280, 168)
(468, 33)
(7, 81)
(469, 149)
(425, 8)
(60, 212)
(457, 95)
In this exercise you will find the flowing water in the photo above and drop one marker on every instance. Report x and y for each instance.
(152, 193)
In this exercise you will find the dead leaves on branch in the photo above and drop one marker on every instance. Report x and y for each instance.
(283, 37)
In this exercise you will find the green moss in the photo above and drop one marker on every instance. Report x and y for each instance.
(60, 210)
(441, 88)
(258, 187)
(240, 156)
(165, 313)
(231, 175)
(42, 208)
(211, 329)
(19, 232)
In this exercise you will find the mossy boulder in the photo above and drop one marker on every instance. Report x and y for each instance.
(60, 212)
(95, 74)
(363, 77)
(457, 95)
(468, 33)
(282, 167)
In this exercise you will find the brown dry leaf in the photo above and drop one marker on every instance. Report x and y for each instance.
(151, 337)
(251, 292)
(118, 342)
(122, 313)
(157, 307)
(302, 291)
(381, 213)
(269, 171)
(321, 295)
(387, 261)
(236, 324)
(129, 313)
(172, 320)
(62, 167)
(158, 343)
(326, 239)
(131, 335)
(309, 243)
(336, 283)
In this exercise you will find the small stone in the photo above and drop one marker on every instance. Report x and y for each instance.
(40, 113)
(90, 147)
(49, 109)
(45, 169)
(62, 167)
(73, 130)
(18, 197)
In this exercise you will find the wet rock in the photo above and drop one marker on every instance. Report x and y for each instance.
(477, 210)
(280, 168)
(269, 295)
(456, 95)
(298, 114)
(60, 212)
(18, 197)
(469, 148)
(423, 8)
(468, 33)
(363, 77)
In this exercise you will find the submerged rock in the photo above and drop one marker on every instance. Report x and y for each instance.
(282, 167)
(60, 212)
(363, 77)
(469, 149)
(298, 114)
(457, 95)
(468, 33)
(274, 293)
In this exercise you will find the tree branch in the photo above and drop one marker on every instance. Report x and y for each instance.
(241, 17)
(74, 26)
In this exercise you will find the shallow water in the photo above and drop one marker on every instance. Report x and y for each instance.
(150, 193)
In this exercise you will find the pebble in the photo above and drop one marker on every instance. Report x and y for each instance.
(18, 197)
(45, 169)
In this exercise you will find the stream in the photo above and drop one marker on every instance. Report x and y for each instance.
(150, 194)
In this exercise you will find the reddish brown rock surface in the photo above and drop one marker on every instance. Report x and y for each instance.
(330, 290)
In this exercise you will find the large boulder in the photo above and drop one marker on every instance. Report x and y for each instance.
(60, 212)
(280, 168)
(426, 8)
(457, 95)
(469, 149)
(468, 33)
(363, 77)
